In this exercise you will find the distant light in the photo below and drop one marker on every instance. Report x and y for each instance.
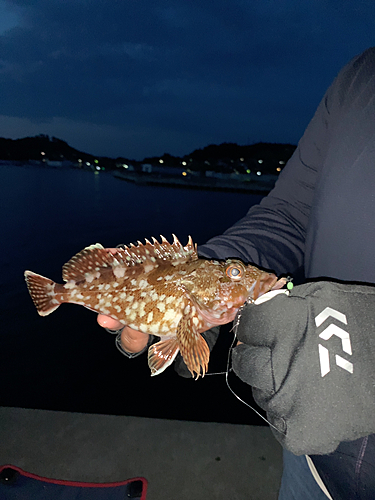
(103, 168)
(184, 174)
(281, 162)
(259, 173)
(242, 159)
(79, 160)
(88, 163)
(184, 163)
(42, 153)
(96, 161)
(260, 161)
(97, 167)
(278, 169)
(248, 171)
(125, 165)
(161, 161)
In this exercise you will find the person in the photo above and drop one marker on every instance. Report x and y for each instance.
(309, 355)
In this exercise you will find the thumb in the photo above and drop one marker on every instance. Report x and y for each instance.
(108, 322)
(265, 321)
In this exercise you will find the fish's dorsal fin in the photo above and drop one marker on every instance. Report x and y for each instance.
(87, 261)
(150, 253)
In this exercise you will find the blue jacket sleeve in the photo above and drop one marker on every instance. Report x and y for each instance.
(273, 234)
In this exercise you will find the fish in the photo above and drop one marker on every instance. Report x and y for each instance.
(159, 288)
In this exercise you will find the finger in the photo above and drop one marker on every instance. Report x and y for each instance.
(259, 324)
(108, 322)
(253, 365)
(133, 340)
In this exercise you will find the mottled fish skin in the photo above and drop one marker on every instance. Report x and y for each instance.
(158, 288)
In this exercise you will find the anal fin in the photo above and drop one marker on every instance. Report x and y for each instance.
(161, 355)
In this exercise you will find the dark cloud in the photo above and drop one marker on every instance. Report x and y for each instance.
(172, 75)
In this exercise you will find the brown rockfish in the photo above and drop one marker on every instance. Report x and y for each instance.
(162, 289)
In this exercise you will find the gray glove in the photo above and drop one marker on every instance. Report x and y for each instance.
(309, 355)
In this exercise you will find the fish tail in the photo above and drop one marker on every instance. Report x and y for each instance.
(42, 291)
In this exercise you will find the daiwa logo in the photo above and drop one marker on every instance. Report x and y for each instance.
(326, 334)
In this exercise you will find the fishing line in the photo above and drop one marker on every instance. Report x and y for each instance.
(229, 369)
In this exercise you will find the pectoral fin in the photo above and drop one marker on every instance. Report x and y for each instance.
(193, 347)
(161, 355)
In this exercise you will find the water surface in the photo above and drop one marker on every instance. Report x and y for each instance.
(65, 361)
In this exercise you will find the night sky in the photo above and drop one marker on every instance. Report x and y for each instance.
(139, 78)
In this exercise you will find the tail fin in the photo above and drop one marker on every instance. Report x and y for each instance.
(42, 292)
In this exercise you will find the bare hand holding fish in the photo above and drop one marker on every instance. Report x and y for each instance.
(163, 289)
(132, 341)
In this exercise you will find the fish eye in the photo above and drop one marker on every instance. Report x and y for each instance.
(234, 272)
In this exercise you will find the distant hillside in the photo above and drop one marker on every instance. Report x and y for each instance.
(41, 148)
(269, 158)
(226, 157)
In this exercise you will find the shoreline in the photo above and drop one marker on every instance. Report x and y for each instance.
(204, 183)
(252, 185)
